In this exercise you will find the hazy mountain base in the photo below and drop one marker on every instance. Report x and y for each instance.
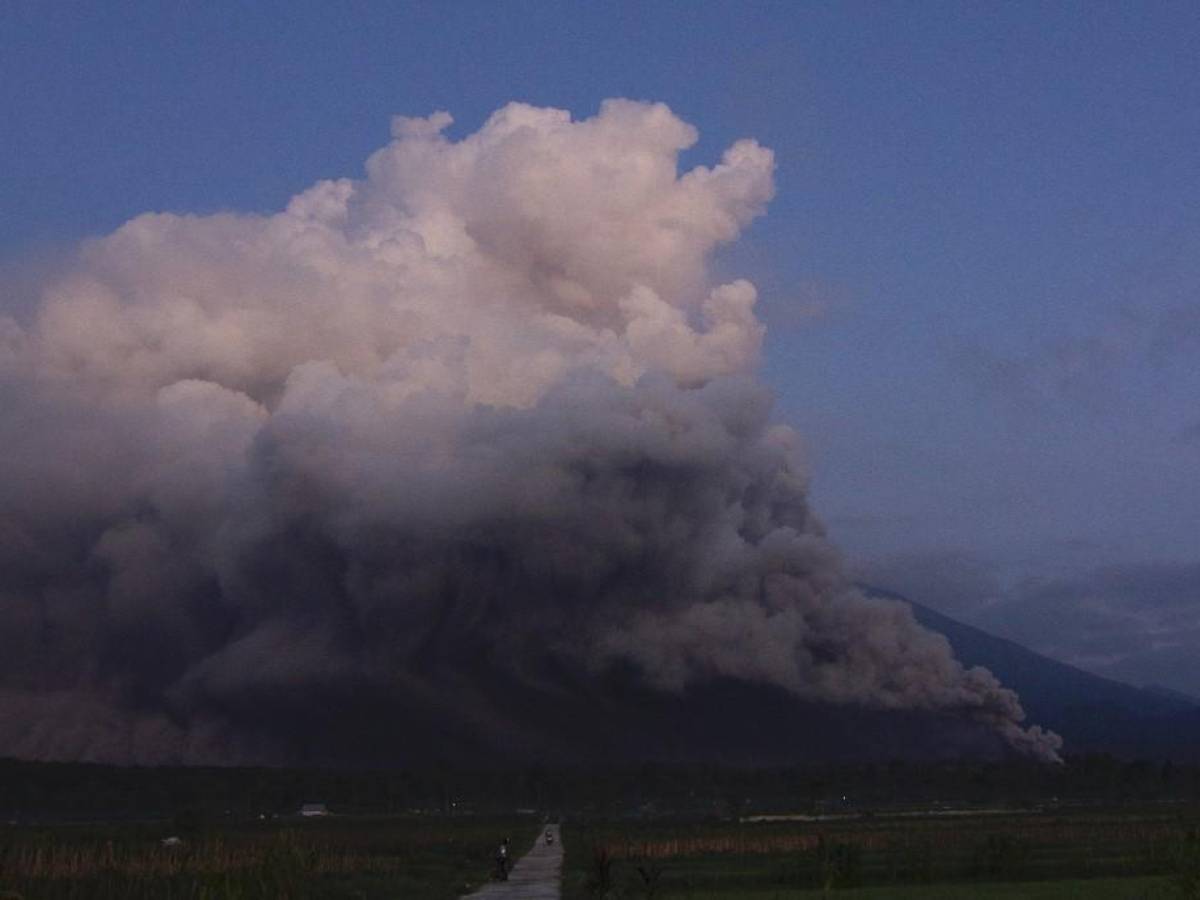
(53, 792)
(1091, 713)
(559, 716)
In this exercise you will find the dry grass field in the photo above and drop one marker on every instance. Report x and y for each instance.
(360, 857)
(1083, 852)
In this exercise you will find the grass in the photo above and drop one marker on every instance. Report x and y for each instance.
(334, 859)
(1138, 888)
(1091, 853)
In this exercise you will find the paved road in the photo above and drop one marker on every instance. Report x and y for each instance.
(536, 876)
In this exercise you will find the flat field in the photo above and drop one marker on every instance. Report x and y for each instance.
(1135, 888)
(355, 858)
(1084, 853)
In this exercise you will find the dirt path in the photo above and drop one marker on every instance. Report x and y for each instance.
(536, 876)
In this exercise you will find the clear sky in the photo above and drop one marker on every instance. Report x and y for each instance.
(980, 272)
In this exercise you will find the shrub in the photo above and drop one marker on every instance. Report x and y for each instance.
(840, 864)
(600, 879)
(999, 856)
(1186, 865)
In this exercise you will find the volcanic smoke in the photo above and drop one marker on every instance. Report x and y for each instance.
(487, 395)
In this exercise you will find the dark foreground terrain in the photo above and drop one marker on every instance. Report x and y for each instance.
(355, 858)
(1094, 853)
(1096, 827)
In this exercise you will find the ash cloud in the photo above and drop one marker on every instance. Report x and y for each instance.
(481, 410)
(1131, 621)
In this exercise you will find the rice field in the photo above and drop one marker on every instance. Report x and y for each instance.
(1151, 852)
(363, 857)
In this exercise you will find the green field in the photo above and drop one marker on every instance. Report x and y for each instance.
(1144, 888)
(1091, 853)
(339, 858)
(1127, 852)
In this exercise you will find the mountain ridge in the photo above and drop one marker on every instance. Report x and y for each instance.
(1092, 713)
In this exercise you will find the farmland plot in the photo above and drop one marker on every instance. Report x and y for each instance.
(355, 857)
(971, 855)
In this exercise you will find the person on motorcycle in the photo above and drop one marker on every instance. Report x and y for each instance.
(502, 861)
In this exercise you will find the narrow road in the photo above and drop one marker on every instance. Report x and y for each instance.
(536, 876)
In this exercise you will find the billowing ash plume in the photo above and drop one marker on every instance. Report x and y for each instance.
(482, 410)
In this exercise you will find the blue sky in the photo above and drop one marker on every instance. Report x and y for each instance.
(980, 271)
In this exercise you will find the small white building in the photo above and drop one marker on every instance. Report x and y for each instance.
(314, 809)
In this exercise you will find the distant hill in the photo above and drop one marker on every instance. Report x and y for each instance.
(616, 719)
(568, 715)
(562, 714)
(1090, 712)
(1164, 691)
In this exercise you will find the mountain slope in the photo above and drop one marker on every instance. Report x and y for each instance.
(563, 713)
(1090, 712)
